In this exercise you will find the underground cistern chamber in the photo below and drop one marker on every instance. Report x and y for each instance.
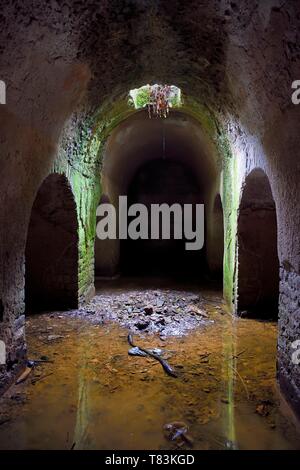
(149, 275)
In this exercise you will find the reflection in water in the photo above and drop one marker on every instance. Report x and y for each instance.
(229, 347)
(83, 409)
(95, 396)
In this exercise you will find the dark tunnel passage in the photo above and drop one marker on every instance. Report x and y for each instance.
(154, 161)
(51, 256)
(258, 280)
(163, 181)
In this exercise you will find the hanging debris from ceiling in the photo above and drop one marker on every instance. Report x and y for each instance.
(158, 99)
(159, 104)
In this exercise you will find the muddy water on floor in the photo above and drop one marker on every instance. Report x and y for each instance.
(94, 396)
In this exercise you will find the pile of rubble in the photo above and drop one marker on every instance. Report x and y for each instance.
(166, 312)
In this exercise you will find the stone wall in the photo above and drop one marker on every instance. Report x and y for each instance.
(68, 68)
(289, 329)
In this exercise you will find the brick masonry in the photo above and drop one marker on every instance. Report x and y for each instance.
(289, 331)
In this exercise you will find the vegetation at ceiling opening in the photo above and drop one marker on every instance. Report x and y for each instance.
(158, 99)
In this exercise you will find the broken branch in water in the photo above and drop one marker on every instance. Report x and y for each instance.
(30, 365)
(204, 356)
(235, 356)
(25, 374)
(167, 368)
(241, 379)
(40, 361)
(34, 381)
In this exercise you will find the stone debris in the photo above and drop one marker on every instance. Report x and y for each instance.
(264, 407)
(54, 337)
(166, 312)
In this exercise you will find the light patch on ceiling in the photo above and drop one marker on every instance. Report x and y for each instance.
(158, 99)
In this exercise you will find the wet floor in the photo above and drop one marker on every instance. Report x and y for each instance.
(94, 396)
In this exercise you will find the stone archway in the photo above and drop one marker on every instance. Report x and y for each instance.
(51, 256)
(258, 265)
(138, 141)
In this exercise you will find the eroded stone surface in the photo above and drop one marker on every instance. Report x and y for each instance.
(66, 62)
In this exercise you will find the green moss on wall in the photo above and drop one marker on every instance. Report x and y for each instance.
(229, 189)
(230, 210)
(140, 97)
(80, 159)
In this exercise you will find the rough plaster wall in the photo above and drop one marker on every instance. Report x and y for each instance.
(264, 135)
(42, 91)
(289, 328)
(239, 59)
(272, 156)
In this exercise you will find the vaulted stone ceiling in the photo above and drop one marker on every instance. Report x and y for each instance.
(216, 51)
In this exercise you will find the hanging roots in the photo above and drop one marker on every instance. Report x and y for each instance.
(159, 102)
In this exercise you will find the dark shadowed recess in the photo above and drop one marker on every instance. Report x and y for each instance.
(51, 278)
(157, 182)
(258, 280)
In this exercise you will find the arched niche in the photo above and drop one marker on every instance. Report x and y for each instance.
(258, 265)
(51, 256)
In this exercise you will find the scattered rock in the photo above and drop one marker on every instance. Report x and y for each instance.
(44, 358)
(193, 298)
(264, 407)
(54, 337)
(166, 312)
(142, 325)
(19, 398)
(193, 309)
(148, 310)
